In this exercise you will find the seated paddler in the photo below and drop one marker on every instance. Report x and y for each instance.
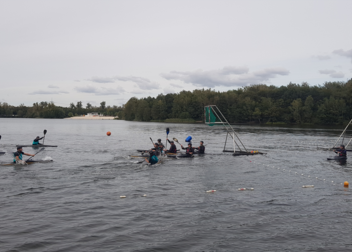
(341, 151)
(36, 140)
(17, 156)
(172, 147)
(153, 159)
(189, 149)
(157, 149)
(201, 148)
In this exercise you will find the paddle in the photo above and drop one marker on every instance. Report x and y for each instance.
(175, 139)
(44, 135)
(35, 154)
(167, 136)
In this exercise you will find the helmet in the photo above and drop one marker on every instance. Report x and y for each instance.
(156, 144)
(201, 141)
(343, 146)
(159, 140)
(171, 141)
(190, 144)
(19, 147)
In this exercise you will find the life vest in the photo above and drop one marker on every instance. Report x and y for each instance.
(188, 150)
(153, 160)
(35, 142)
(201, 149)
(173, 149)
(342, 153)
(20, 157)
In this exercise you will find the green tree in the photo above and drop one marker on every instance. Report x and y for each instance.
(102, 105)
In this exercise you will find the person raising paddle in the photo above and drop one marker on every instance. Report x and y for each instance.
(18, 156)
(172, 147)
(189, 149)
(36, 140)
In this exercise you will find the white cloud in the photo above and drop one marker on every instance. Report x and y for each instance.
(100, 91)
(332, 73)
(168, 90)
(176, 85)
(344, 53)
(227, 76)
(52, 86)
(321, 57)
(102, 80)
(140, 82)
(43, 92)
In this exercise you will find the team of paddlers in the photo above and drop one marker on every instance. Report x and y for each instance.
(159, 149)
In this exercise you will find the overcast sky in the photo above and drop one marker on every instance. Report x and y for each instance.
(93, 51)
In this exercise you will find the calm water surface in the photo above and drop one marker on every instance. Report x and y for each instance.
(74, 204)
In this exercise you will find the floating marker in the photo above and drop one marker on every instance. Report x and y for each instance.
(211, 191)
(122, 197)
(108, 133)
(308, 186)
(346, 184)
(241, 189)
(145, 195)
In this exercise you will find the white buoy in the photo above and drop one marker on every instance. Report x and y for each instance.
(122, 197)
(308, 186)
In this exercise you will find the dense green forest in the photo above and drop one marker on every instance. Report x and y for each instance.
(330, 103)
(50, 110)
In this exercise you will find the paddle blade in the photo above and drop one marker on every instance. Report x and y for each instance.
(175, 139)
(0, 136)
(167, 131)
(45, 132)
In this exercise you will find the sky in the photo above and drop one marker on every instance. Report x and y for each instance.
(110, 50)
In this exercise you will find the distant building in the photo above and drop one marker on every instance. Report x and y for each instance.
(93, 114)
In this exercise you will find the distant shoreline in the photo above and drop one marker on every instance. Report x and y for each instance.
(91, 118)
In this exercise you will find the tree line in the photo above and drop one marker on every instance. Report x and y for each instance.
(330, 103)
(50, 110)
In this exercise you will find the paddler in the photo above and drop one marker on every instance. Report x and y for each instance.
(18, 156)
(342, 151)
(36, 140)
(201, 148)
(161, 145)
(153, 159)
(172, 147)
(189, 149)
(157, 150)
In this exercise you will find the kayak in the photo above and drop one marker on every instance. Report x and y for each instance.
(147, 150)
(37, 145)
(337, 158)
(179, 156)
(2, 153)
(246, 153)
(30, 162)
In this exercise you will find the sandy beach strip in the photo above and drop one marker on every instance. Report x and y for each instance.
(91, 118)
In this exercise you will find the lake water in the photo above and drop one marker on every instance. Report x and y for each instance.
(74, 204)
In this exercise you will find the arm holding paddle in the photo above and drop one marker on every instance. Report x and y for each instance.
(19, 160)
